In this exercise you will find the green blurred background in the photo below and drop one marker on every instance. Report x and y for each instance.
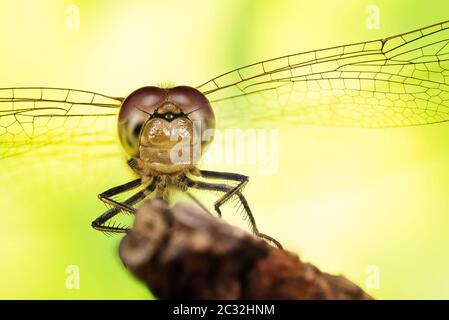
(369, 204)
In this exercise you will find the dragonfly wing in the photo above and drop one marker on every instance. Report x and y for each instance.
(34, 117)
(393, 82)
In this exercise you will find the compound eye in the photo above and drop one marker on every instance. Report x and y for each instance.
(135, 110)
(194, 104)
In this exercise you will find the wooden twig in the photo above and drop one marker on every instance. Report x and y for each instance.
(183, 252)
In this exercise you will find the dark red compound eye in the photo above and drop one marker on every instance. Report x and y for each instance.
(137, 108)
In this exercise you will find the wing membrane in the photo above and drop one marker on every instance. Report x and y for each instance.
(32, 117)
(392, 82)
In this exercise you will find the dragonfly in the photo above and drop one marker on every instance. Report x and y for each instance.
(397, 81)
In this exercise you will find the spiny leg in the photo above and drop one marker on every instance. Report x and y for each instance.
(227, 189)
(106, 196)
(253, 222)
(243, 180)
(98, 223)
(237, 190)
(207, 186)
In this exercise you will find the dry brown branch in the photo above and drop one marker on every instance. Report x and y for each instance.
(183, 252)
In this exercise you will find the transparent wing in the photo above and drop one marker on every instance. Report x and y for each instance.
(393, 82)
(33, 117)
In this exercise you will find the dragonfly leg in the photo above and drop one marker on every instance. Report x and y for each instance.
(253, 222)
(207, 186)
(227, 189)
(106, 196)
(243, 180)
(127, 205)
(99, 223)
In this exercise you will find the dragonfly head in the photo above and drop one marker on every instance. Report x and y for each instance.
(166, 127)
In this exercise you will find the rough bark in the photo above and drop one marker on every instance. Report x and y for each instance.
(183, 252)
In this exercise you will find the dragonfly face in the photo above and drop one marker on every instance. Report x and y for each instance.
(162, 127)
